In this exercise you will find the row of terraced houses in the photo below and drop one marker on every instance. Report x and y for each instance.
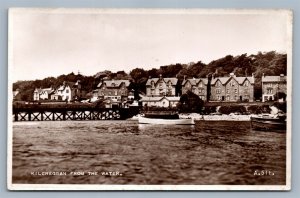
(162, 91)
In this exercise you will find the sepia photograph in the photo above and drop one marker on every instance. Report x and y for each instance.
(149, 99)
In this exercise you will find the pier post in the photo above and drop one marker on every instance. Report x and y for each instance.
(16, 116)
(29, 116)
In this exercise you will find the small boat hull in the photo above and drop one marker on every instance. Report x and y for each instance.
(143, 120)
(268, 124)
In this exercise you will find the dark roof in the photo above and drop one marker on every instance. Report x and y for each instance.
(195, 81)
(166, 80)
(114, 83)
(273, 79)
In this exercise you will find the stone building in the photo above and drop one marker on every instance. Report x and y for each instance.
(197, 85)
(115, 90)
(161, 86)
(232, 88)
(272, 86)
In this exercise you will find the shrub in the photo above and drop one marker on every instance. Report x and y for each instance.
(209, 110)
(280, 106)
(259, 109)
(232, 109)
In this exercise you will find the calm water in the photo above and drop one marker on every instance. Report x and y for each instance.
(210, 152)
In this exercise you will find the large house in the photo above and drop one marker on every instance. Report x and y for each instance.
(197, 85)
(272, 86)
(232, 88)
(115, 91)
(42, 94)
(68, 91)
(160, 92)
(161, 86)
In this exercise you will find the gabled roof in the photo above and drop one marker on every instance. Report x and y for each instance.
(114, 83)
(240, 80)
(195, 81)
(273, 79)
(166, 80)
(42, 91)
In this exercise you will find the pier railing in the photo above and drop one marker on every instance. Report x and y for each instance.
(60, 114)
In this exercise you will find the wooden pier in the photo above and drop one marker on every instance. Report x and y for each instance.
(59, 114)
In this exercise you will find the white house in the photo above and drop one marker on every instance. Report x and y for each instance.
(42, 94)
(64, 92)
(68, 91)
(158, 101)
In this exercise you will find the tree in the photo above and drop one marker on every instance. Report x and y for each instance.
(190, 102)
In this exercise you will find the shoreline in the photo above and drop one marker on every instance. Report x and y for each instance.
(223, 117)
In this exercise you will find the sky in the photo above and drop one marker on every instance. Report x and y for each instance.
(52, 42)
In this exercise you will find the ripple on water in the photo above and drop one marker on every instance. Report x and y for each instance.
(207, 153)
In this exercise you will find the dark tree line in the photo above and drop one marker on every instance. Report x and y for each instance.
(268, 63)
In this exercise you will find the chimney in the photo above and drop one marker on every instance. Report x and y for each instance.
(184, 77)
(281, 77)
(263, 75)
(160, 76)
(231, 74)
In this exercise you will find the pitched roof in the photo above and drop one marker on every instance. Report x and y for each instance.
(195, 81)
(240, 80)
(273, 79)
(41, 91)
(114, 83)
(166, 80)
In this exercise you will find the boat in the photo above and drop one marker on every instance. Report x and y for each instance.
(144, 120)
(268, 123)
(164, 117)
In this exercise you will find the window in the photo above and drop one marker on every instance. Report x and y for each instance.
(228, 97)
(116, 93)
(218, 91)
(270, 91)
(235, 90)
(235, 97)
(152, 84)
(227, 91)
(246, 83)
(67, 90)
(232, 83)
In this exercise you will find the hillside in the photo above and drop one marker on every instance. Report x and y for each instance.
(268, 63)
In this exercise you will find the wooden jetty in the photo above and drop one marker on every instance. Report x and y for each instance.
(61, 114)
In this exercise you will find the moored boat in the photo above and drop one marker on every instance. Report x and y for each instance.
(144, 120)
(268, 123)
